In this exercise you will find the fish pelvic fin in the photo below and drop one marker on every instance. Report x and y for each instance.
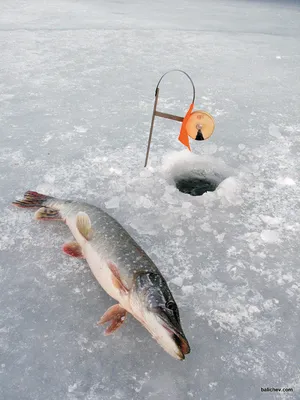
(84, 225)
(31, 200)
(48, 213)
(116, 278)
(116, 315)
(73, 249)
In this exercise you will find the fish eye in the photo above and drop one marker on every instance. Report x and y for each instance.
(151, 276)
(154, 278)
(171, 305)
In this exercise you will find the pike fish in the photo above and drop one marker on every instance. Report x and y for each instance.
(120, 266)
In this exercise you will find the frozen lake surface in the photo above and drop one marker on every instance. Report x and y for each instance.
(77, 82)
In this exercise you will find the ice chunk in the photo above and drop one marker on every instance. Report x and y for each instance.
(270, 220)
(206, 227)
(144, 202)
(269, 236)
(80, 129)
(114, 202)
(274, 131)
(177, 281)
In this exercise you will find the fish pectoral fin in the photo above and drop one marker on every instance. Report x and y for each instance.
(73, 249)
(116, 278)
(48, 213)
(84, 225)
(116, 315)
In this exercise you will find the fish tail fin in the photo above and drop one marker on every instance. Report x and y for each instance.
(31, 200)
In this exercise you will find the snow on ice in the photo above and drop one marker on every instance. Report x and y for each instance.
(77, 85)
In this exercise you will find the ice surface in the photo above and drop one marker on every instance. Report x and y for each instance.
(77, 82)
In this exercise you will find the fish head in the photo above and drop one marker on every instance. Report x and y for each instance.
(153, 305)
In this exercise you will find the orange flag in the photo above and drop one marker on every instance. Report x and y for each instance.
(183, 136)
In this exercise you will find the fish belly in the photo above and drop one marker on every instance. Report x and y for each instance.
(97, 262)
(101, 271)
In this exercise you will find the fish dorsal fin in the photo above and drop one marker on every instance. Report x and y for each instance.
(48, 213)
(84, 225)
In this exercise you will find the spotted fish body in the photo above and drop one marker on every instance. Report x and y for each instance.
(120, 266)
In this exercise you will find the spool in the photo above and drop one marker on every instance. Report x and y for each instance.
(200, 125)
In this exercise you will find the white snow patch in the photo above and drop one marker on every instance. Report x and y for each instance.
(281, 354)
(229, 191)
(286, 181)
(186, 204)
(270, 304)
(253, 310)
(188, 290)
(49, 178)
(80, 129)
(116, 171)
(184, 163)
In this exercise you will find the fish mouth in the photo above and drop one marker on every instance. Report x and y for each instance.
(180, 341)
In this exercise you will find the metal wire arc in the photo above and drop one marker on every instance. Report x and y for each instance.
(183, 72)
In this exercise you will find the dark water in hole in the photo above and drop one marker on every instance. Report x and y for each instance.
(195, 186)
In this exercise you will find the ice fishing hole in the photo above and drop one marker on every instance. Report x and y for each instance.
(195, 186)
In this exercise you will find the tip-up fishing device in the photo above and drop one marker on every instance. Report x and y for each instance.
(198, 125)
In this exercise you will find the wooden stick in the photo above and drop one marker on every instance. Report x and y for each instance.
(152, 125)
(169, 116)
